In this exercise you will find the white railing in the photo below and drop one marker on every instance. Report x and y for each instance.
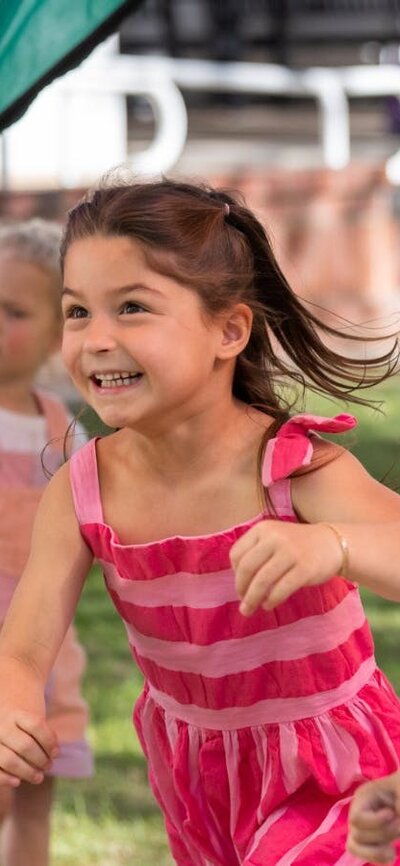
(77, 126)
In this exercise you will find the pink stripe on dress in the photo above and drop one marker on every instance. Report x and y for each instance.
(288, 750)
(272, 819)
(341, 751)
(181, 589)
(290, 679)
(309, 636)
(174, 622)
(289, 859)
(270, 710)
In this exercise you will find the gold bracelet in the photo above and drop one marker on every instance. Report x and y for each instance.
(344, 546)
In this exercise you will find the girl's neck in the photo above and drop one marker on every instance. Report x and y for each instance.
(200, 443)
(19, 398)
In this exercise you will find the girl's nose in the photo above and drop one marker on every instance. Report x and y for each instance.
(99, 336)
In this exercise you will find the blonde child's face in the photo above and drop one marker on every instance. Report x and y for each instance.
(29, 325)
(136, 343)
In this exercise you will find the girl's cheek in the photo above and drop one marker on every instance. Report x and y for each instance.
(17, 341)
(66, 357)
(69, 354)
(66, 345)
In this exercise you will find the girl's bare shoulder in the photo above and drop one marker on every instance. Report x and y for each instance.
(56, 514)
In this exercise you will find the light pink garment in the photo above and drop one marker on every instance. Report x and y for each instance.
(256, 730)
(22, 481)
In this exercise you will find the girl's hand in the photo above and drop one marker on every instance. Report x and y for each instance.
(375, 820)
(27, 748)
(274, 559)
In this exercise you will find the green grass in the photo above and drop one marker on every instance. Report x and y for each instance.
(112, 818)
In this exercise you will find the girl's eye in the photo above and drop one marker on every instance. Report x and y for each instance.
(132, 307)
(75, 312)
(16, 313)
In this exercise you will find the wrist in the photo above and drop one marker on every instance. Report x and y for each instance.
(343, 544)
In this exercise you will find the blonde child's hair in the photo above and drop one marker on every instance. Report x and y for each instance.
(36, 241)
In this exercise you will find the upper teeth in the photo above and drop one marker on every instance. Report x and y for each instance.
(108, 379)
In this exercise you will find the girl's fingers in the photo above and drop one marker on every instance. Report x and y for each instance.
(251, 563)
(371, 819)
(372, 853)
(15, 766)
(23, 752)
(245, 543)
(283, 588)
(6, 779)
(262, 585)
(379, 835)
(30, 751)
(374, 822)
(39, 731)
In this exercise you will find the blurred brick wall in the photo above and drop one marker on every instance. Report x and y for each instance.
(334, 233)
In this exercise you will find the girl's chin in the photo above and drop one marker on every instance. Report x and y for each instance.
(117, 419)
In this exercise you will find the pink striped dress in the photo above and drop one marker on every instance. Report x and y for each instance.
(256, 730)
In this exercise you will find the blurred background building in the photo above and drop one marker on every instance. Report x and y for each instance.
(295, 103)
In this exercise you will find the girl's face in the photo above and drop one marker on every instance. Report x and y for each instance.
(29, 325)
(136, 343)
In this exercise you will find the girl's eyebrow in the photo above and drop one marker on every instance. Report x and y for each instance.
(121, 290)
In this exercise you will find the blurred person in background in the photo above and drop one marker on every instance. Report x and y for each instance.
(33, 428)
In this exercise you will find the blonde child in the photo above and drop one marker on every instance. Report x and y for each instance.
(232, 537)
(30, 331)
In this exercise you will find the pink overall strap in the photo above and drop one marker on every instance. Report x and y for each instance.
(85, 484)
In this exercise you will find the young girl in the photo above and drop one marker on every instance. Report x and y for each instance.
(30, 330)
(232, 537)
(375, 820)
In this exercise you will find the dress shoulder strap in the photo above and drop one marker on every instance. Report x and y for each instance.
(85, 484)
(293, 448)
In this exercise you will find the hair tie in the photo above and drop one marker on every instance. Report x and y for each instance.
(227, 209)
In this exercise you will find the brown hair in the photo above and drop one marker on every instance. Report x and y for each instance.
(210, 241)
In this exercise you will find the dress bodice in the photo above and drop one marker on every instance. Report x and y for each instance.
(178, 600)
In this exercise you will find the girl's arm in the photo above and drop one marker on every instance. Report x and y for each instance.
(374, 820)
(42, 608)
(276, 558)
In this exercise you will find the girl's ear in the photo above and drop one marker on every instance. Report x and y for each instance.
(235, 331)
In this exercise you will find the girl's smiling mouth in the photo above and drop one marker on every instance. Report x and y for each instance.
(115, 380)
